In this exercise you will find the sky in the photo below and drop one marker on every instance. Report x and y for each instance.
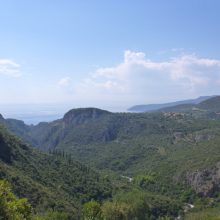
(110, 54)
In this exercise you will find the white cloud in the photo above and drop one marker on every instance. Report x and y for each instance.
(139, 78)
(136, 79)
(189, 67)
(10, 68)
(64, 82)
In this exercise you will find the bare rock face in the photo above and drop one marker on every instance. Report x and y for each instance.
(202, 137)
(82, 115)
(205, 182)
(178, 135)
(1, 117)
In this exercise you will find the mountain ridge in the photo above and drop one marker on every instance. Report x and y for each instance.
(166, 153)
(211, 105)
(91, 125)
(82, 115)
(155, 107)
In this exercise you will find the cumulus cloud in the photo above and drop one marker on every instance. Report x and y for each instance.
(64, 82)
(139, 78)
(189, 67)
(10, 68)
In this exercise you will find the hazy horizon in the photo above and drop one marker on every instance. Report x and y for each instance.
(35, 113)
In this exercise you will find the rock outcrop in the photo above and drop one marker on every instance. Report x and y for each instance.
(205, 182)
(82, 115)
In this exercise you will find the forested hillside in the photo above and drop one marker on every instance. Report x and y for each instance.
(161, 164)
(54, 182)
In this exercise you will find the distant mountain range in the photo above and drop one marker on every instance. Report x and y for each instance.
(155, 107)
(86, 126)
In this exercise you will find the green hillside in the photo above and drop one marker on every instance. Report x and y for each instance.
(169, 157)
(212, 104)
(204, 107)
(49, 181)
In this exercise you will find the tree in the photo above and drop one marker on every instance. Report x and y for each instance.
(92, 211)
(12, 208)
(117, 211)
(51, 215)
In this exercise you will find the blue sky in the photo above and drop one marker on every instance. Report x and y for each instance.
(108, 53)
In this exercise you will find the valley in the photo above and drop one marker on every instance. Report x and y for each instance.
(131, 165)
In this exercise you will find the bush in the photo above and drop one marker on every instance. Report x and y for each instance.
(12, 208)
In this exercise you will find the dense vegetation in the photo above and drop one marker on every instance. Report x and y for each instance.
(49, 181)
(11, 207)
(153, 165)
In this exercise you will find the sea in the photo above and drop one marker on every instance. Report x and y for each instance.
(36, 113)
